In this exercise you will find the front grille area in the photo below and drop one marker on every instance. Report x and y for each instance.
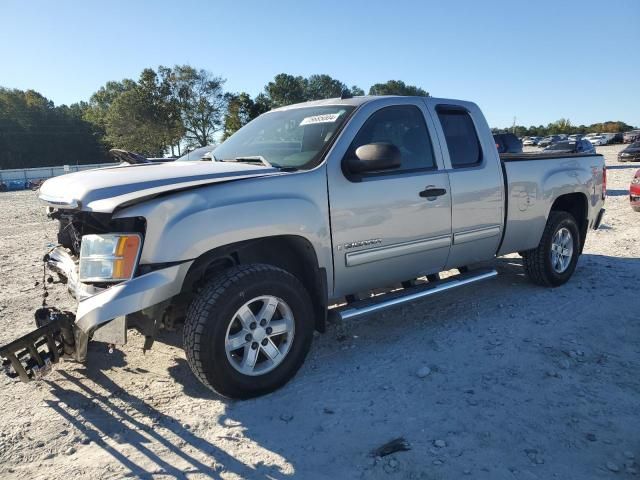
(73, 225)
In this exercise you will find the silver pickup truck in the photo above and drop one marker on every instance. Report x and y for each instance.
(299, 216)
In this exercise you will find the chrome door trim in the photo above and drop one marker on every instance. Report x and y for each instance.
(361, 257)
(476, 234)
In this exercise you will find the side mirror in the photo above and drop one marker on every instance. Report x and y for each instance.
(374, 157)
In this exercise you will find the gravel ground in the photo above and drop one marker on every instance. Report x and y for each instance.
(501, 380)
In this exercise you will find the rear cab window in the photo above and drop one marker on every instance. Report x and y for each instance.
(461, 137)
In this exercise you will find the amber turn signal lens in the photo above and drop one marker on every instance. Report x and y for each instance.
(126, 256)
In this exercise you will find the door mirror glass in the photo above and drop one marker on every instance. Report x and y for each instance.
(375, 157)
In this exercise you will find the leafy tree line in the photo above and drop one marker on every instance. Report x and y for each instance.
(34, 132)
(565, 126)
(169, 109)
(164, 110)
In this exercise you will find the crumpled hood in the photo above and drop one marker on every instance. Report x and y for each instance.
(104, 189)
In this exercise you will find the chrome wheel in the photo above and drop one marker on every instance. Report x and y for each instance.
(260, 335)
(561, 250)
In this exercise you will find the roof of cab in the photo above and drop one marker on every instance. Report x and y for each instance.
(357, 101)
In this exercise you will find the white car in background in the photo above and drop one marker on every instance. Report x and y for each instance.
(575, 137)
(598, 140)
(531, 141)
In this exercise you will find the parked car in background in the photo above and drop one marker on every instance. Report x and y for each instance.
(634, 192)
(630, 153)
(13, 185)
(507, 143)
(531, 141)
(575, 137)
(598, 140)
(551, 139)
(202, 153)
(617, 138)
(581, 146)
(631, 136)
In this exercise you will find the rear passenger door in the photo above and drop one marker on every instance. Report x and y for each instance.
(385, 226)
(475, 176)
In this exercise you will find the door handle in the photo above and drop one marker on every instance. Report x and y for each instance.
(431, 192)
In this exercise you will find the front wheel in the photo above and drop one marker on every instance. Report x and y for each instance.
(249, 330)
(554, 260)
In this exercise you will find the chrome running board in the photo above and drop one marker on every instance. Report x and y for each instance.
(388, 300)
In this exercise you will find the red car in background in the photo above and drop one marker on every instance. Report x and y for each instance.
(634, 192)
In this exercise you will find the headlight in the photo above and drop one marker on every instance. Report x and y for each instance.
(635, 181)
(110, 257)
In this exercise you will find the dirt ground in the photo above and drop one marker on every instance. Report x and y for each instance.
(522, 382)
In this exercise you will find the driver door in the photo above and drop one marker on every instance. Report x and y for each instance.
(390, 226)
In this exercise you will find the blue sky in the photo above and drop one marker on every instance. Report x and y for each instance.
(538, 61)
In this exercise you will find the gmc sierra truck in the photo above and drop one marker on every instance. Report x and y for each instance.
(297, 219)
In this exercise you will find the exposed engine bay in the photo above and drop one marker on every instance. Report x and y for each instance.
(74, 224)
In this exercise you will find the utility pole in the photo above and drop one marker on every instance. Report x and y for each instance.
(513, 128)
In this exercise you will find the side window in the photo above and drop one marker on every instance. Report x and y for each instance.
(462, 139)
(403, 126)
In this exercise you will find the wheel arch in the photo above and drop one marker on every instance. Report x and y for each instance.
(292, 253)
(576, 204)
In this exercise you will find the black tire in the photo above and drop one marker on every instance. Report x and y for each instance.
(213, 309)
(537, 262)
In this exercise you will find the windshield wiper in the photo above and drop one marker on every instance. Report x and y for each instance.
(260, 160)
(253, 159)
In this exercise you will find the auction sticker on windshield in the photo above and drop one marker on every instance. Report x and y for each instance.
(327, 118)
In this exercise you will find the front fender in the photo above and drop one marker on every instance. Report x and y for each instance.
(184, 225)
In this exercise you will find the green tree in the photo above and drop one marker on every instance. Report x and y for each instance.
(262, 104)
(397, 87)
(144, 117)
(356, 91)
(241, 109)
(101, 101)
(200, 99)
(560, 126)
(319, 87)
(286, 89)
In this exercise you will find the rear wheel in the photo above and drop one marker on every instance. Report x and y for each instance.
(249, 330)
(553, 262)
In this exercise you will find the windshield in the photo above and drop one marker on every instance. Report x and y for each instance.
(292, 138)
(196, 154)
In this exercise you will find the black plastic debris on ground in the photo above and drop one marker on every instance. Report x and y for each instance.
(396, 445)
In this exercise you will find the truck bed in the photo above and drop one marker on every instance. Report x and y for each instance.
(533, 181)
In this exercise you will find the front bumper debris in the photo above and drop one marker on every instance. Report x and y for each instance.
(61, 262)
(31, 356)
(101, 315)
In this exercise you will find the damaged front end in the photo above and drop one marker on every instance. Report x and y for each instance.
(97, 257)
(31, 357)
